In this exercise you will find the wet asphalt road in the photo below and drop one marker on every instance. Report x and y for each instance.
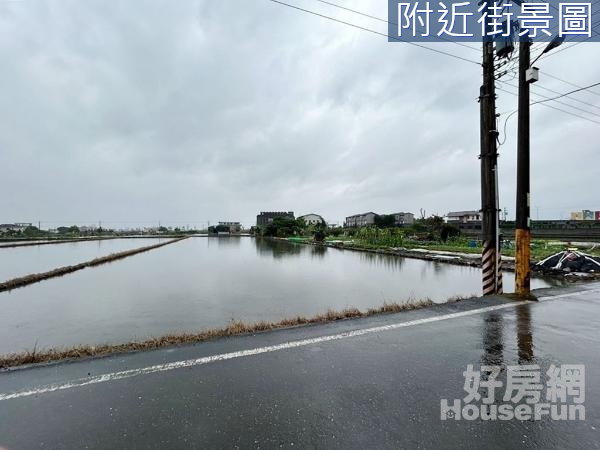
(381, 389)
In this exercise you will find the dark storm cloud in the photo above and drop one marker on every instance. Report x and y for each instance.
(205, 110)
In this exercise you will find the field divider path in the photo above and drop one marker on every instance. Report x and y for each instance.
(50, 242)
(17, 244)
(37, 277)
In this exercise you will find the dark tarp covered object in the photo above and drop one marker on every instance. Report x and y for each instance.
(570, 261)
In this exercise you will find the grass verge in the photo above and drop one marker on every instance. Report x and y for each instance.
(37, 277)
(232, 329)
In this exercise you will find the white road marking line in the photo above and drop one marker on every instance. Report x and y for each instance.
(239, 354)
(573, 294)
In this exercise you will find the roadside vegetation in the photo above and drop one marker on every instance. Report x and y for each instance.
(430, 233)
(540, 249)
(284, 227)
(234, 328)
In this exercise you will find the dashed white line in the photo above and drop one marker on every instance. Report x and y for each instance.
(243, 353)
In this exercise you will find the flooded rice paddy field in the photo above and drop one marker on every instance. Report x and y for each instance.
(202, 283)
(24, 260)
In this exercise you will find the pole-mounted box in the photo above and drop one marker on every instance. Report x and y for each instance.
(505, 45)
(532, 75)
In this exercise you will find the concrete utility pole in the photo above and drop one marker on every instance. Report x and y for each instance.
(491, 259)
(527, 75)
(522, 223)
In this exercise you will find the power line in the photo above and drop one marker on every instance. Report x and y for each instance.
(568, 82)
(388, 22)
(573, 44)
(433, 50)
(569, 46)
(547, 106)
(374, 31)
(547, 99)
(568, 93)
(537, 86)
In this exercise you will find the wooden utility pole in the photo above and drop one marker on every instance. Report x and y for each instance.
(491, 261)
(523, 221)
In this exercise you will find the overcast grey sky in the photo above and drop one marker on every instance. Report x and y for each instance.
(194, 110)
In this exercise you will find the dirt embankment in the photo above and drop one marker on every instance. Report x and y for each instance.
(457, 258)
(234, 328)
(20, 243)
(14, 244)
(37, 277)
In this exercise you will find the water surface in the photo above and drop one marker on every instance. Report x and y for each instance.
(204, 282)
(25, 260)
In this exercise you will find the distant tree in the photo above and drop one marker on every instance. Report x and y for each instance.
(448, 231)
(319, 235)
(31, 231)
(385, 221)
(418, 227)
(435, 228)
(434, 223)
(283, 227)
(336, 231)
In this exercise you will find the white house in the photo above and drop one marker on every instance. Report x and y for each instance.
(312, 219)
(463, 217)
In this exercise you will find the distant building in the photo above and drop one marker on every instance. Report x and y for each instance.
(577, 215)
(22, 225)
(586, 214)
(265, 218)
(463, 217)
(234, 227)
(312, 219)
(360, 220)
(17, 227)
(402, 218)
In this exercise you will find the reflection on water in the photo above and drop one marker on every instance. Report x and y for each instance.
(272, 248)
(381, 260)
(223, 241)
(495, 333)
(524, 334)
(318, 251)
(493, 339)
(204, 282)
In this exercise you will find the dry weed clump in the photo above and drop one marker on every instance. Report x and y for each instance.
(232, 329)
